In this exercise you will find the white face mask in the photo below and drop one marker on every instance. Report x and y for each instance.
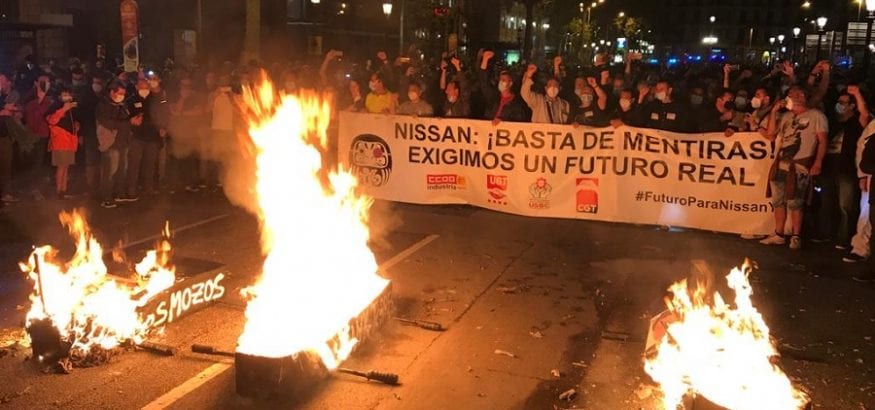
(789, 105)
(661, 96)
(154, 84)
(503, 86)
(67, 98)
(552, 92)
(586, 99)
(414, 97)
(625, 104)
(118, 98)
(143, 93)
(452, 98)
(756, 102)
(372, 86)
(97, 88)
(578, 92)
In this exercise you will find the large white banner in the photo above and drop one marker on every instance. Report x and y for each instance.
(634, 175)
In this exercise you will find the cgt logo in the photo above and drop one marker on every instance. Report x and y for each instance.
(496, 185)
(588, 195)
(540, 192)
(445, 182)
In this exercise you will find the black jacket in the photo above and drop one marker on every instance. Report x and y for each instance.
(867, 164)
(514, 111)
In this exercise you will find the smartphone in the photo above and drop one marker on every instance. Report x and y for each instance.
(734, 67)
(404, 60)
(74, 104)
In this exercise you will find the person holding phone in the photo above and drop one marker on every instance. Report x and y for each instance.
(63, 139)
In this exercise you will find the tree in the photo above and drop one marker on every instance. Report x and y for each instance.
(629, 27)
(582, 34)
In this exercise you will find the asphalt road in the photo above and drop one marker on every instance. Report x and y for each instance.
(544, 290)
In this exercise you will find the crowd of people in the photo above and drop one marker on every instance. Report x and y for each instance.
(136, 133)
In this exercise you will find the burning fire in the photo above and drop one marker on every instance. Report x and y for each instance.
(318, 271)
(89, 307)
(721, 352)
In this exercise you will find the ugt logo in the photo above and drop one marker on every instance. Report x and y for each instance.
(370, 160)
(497, 187)
(588, 195)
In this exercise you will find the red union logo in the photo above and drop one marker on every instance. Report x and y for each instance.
(497, 187)
(445, 181)
(588, 195)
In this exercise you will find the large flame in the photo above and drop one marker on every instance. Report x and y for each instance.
(318, 271)
(89, 307)
(721, 352)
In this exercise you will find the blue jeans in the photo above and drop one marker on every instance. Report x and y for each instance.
(113, 165)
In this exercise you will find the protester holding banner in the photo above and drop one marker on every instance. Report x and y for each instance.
(380, 100)
(546, 109)
(802, 142)
(628, 112)
(415, 105)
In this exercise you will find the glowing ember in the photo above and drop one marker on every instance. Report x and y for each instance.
(86, 305)
(318, 271)
(721, 352)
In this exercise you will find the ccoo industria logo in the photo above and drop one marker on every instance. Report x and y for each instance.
(370, 160)
(588, 195)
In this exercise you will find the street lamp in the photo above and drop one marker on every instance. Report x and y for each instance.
(821, 23)
(867, 56)
(806, 5)
(387, 9)
(713, 19)
(621, 14)
(796, 32)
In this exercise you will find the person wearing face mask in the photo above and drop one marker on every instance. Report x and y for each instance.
(546, 108)
(456, 104)
(148, 130)
(379, 100)
(839, 184)
(223, 109)
(113, 137)
(500, 101)
(664, 113)
(593, 103)
(63, 139)
(415, 105)
(159, 93)
(720, 117)
(801, 140)
(761, 103)
(627, 111)
(87, 94)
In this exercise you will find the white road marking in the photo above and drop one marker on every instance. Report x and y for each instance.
(177, 230)
(217, 369)
(188, 386)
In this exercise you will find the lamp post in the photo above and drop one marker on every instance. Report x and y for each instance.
(867, 56)
(821, 23)
(387, 11)
(771, 49)
(796, 32)
(781, 38)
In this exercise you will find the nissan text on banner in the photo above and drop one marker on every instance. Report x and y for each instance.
(634, 175)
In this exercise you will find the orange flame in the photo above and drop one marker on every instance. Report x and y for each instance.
(318, 271)
(88, 306)
(720, 352)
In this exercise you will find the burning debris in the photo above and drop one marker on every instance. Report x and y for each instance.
(319, 292)
(81, 315)
(703, 346)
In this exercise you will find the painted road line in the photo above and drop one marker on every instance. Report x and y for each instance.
(188, 386)
(217, 369)
(177, 230)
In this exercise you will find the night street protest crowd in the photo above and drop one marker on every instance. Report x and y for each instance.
(135, 134)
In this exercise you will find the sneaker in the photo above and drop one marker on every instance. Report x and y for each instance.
(853, 258)
(108, 204)
(749, 237)
(842, 247)
(774, 239)
(819, 240)
(128, 198)
(9, 198)
(192, 188)
(795, 242)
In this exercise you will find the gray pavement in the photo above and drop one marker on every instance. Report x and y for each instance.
(542, 289)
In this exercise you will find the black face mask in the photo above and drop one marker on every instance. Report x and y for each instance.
(44, 86)
(729, 105)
